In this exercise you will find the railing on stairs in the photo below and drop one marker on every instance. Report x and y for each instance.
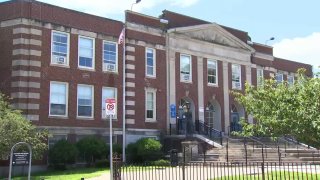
(211, 133)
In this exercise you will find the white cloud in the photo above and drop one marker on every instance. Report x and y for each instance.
(301, 49)
(108, 7)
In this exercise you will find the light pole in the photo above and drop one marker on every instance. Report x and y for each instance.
(270, 39)
(137, 1)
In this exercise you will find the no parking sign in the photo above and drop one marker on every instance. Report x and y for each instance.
(111, 107)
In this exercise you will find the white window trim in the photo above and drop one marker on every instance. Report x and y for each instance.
(154, 91)
(117, 54)
(279, 73)
(216, 62)
(68, 49)
(260, 69)
(190, 79)
(67, 97)
(92, 98)
(240, 80)
(154, 62)
(116, 97)
(293, 80)
(93, 53)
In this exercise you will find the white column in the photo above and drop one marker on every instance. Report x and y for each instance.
(200, 88)
(226, 97)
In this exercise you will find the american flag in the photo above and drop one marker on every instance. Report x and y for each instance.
(121, 37)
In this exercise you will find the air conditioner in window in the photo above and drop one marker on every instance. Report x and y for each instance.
(186, 77)
(111, 67)
(60, 60)
(236, 85)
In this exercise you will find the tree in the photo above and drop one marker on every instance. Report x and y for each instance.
(283, 109)
(15, 128)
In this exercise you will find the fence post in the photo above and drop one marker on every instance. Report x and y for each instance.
(262, 154)
(227, 149)
(221, 138)
(245, 148)
(279, 154)
(184, 162)
(262, 170)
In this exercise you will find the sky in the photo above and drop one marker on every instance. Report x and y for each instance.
(294, 24)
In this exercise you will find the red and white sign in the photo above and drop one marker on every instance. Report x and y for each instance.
(111, 107)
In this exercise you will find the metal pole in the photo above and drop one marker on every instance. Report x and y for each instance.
(124, 98)
(111, 156)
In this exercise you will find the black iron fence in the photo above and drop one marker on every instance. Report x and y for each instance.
(220, 171)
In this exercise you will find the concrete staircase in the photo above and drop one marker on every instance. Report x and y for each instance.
(259, 150)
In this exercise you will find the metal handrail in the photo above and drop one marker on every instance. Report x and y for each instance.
(209, 131)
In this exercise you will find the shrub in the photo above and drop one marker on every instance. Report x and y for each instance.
(102, 163)
(161, 162)
(92, 148)
(149, 149)
(131, 151)
(62, 153)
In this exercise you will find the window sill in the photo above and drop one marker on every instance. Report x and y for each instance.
(60, 65)
(86, 69)
(239, 89)
(151, 77)
(85, 118)
(57, 117)
(213, 85)
(110, 72)
(189, 82)
(151, 121)
(107, 119)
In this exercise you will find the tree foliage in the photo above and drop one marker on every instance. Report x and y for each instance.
(15, 128)
(283, 109)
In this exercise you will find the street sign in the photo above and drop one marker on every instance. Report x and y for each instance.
(173, 111)
(111, 107)
(20, 159)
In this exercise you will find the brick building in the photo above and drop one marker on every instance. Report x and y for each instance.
(58, 66)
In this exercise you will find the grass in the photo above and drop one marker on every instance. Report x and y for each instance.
(273, 175)
(71, 174)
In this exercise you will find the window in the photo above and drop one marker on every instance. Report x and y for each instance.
(58, 99)
(110, 56)
(212, 72)
(259, 76)
(150, 62)
(107, 92)
(290, 79)
(279, 78)
(86, 53)
(236, 76)
(150, 105)
(185, 68)
(59, 48)
(85, 101)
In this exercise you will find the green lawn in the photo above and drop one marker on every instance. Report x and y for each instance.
(72, 174)
(273, 175)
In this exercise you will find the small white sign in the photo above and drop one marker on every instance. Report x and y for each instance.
(111, 107)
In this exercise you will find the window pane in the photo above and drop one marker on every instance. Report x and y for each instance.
(85, 52)
(185, 65)
(59, 48)
(150, 61)
(85, 100)
(58, 99)
(109, 55)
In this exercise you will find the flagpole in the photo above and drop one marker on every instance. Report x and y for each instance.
(124, 96)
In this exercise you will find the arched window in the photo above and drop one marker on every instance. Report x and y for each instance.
(210, 110)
